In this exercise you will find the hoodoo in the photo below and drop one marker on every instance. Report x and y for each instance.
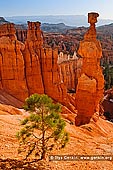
(91, 83)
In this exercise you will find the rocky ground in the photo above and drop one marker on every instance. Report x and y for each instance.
(90, 139)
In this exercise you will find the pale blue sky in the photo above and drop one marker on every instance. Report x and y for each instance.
(56, 7)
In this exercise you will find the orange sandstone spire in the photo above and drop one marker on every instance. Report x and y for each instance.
(91, 83)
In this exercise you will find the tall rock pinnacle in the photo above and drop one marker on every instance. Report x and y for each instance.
(91, 83)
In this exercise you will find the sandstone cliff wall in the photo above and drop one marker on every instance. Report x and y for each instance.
(27, 68)
(12, 75)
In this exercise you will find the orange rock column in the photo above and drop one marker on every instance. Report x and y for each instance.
(33, 47)
(12, 77)
(91, 83)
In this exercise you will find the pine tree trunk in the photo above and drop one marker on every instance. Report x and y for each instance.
(43, 137)
(43, 156)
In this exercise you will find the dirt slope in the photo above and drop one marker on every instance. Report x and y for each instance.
(90, 139)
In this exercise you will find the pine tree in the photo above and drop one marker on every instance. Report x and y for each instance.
(43, 129)
(108, 75)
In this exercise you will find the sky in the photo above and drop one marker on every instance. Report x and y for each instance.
(56, 7)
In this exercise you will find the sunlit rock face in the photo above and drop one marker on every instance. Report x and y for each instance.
(91, 83)
(32, 54)
(41, 67)
(29, 67)
(12, 75)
